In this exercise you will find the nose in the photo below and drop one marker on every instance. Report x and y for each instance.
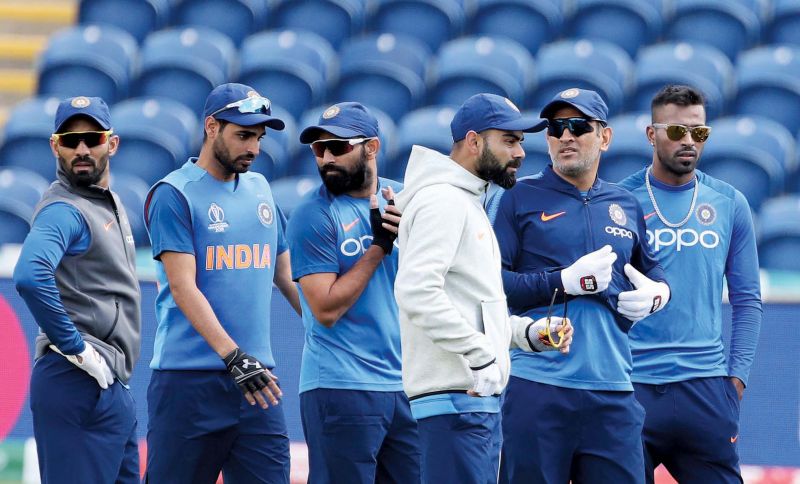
(82, 149)
(328, 157)
(519, 152)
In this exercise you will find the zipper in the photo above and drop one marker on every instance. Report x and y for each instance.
(587, 216)
(116, 320)
(116, 216)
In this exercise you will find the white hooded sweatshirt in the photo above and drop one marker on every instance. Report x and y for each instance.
(453, 313)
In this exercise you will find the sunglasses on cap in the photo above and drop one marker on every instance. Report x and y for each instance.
(676, 132)
(576, 126)
(337, 147)
(73, 139)
(248, 105)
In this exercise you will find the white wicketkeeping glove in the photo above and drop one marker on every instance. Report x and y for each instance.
(487, 381)
(90, 361)
(590, 274)
(648, 297)
(537, 334)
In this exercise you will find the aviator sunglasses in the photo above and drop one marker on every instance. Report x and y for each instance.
(337, 147)
(249, 105)
(73, 139)
(676, 132)
(576, 126)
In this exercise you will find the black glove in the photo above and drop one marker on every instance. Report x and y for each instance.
(380, 236)
(247, 371)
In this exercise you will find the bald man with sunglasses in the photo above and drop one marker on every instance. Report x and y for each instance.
(701, 231)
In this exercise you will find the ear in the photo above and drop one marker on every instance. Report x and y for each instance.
(211, 127)
(54, 147)
(651, 135)
(473, 143)
(113, 145)
(373, 147)
(608, 133)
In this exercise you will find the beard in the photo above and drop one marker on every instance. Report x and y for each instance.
(84, 178)
(230, 164)
(339, 180)
(490, 169)
(673, 164)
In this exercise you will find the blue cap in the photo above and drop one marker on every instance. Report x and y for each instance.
(229, 93)
(490, 111)
(345, 120)
(92, 107)
(588, 102)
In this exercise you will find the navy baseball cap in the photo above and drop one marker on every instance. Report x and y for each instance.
(242, 105)
(490, 111)
(92, 107)
(345, 120)
(588, 102)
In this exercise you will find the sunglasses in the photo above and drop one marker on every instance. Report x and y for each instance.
(73, 139)
(549, 334)
(337, 147)
(249, 105)
(676, 132)
(576, 126)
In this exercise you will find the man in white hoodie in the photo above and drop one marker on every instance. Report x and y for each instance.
(454, 325)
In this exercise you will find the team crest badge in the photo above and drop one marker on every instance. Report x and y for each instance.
(570, 93)
(265, 214)
(617, 214)
(706, 214)
(217, 217)
(80, 102)
(330, 112)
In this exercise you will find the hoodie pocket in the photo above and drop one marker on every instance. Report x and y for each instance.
(498, 330)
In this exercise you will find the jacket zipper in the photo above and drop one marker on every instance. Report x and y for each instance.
(116, 320)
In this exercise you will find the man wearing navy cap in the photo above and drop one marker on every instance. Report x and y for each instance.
(569, 239)
(356, 418)
(454, 324)
(77, 274)
(218, 241)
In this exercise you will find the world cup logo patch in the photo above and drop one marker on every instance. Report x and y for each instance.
(265, 214)
(706, 214)
(617, 214)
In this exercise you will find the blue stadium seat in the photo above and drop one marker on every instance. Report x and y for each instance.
(132, 190)
(779, 234)
(14, 221)
(22, 185)
(701, 66)
(385, 71)
(729, 25)
(627, 23)
(529, 22)
(156, 136)
(185, 64)
(768, 84)
(277, 147)
(137, 17)
(429, 127)
(292, 68)
(432, 21)
(629, 151)
(536, 155)
(337, 20)
(785, 25)
(235, 18)
(288, 192)
(26, 137)
(751, 153)
(88, 60)
(597, 65)
(471, 65)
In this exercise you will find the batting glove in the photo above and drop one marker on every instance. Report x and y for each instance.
(590, 274)
(382, 237)
(648, 297)
(90, 361)
(487, 381)
(249, 374)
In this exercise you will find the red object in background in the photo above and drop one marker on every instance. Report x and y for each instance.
(15, 368)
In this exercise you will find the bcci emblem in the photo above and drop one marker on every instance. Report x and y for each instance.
(217, 217)
(265, 214)
(81, 102)
(617, 214)
(570, 93)
(330, 112)
(706, 214)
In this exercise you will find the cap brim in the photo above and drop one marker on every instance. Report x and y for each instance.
(251, 119)
(524, 124)
(311, 134)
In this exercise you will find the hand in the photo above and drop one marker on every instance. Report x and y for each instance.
(590, 274)
(385, 226)
(536, 334)
(254, 380)
(92, 362)
(648, 297)
(487, 381)
(739, 385)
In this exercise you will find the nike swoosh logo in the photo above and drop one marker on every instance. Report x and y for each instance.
(108, 225)
(546, 218)
(734, 439)
(649, 215)
(349, 226)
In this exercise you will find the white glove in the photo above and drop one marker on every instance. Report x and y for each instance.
(537, 334)
(90, 361)
(487, 381)
(648, 297)
(590, 274)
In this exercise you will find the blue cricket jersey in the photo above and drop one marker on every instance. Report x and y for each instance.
(684, 340)
(234, 231)
(361, 351)
(544, 224)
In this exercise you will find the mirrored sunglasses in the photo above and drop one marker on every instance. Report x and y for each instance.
(337, 147)
(676, 132)
(249, 105)
(576, 126)
(73, 139)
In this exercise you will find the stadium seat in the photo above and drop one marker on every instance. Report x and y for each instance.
(529, 22)
(288, 192)
(337, 20)
(536, 155)
(728, 25)
(701, 66)
(471, 65)
(235, 18)
(132, 190)
(385, 71)
(292, 68)
(156, 136)
(277, 147)
(22, 185)
(597, 65)
(629, 151)
(432, 21)
(785, 25)
(628, 23)
(26, 137)
(429, 127)
(137, 17)
(185, 65)
(88, 60)
(768, 84)
(779, 234)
